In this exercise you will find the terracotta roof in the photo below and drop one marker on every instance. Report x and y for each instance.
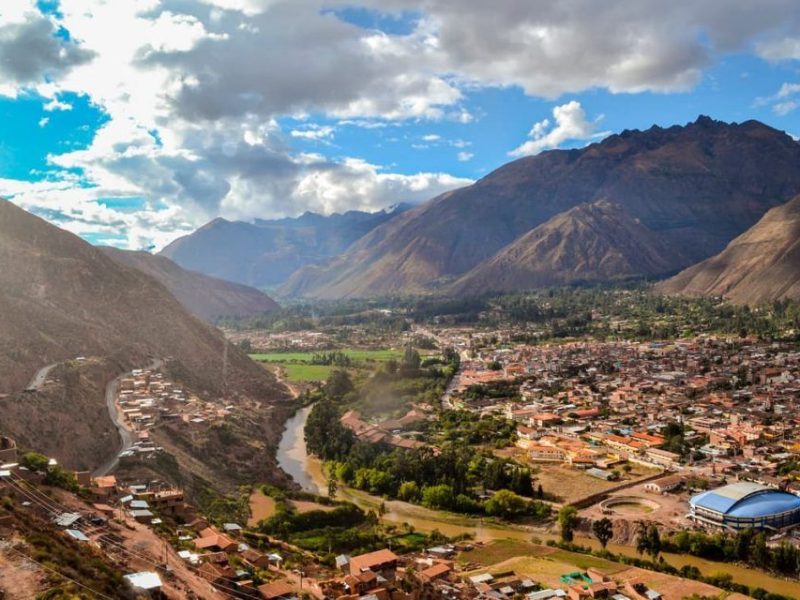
(435, 571)
(373, 559)
(276, 589)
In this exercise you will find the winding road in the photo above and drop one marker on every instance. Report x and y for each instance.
(39, 378)
(125, 434)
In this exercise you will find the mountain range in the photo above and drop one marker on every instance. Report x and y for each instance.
(265, 253)
(206, 297)
(695, 187)
(762, 264)
(639, 203)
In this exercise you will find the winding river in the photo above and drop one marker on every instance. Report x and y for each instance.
(307, 471)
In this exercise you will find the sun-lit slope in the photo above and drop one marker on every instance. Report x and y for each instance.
(591, 242)
(761, 265)
(697, 186)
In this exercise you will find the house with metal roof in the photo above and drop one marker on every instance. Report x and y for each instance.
(746, 505)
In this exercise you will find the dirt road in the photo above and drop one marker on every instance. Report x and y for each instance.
(125, 434)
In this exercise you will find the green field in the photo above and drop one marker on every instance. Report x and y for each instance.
(299, 369)
(305, 357)
(307, 373)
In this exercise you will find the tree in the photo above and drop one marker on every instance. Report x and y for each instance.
(506, 504)
(409, 491)
(603, 530)
(411, 360)
(339, 384)
(325, 436)
(35, 461)
(333, 486)
(654, 541)
(437, 496)
(648, 540)
(567, 521)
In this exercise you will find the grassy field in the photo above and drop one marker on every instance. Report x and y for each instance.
(298, 367)
(305, 357)
(307, 373)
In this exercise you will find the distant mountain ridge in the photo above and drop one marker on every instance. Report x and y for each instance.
(206, 297)
(696, 186)
(266, 252)
(591, 242)
(761, 265)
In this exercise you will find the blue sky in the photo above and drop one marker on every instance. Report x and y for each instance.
(132, 127)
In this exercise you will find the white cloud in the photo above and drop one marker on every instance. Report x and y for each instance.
(570, 124)
(784, 101)
(464, 156)
(784, 108)
(431, 137)
(193, 89)
(313, 132)
(786, 48)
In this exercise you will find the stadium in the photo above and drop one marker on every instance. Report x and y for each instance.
(745, 505)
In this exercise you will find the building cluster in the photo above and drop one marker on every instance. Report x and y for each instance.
(147, 398)
(592, 404)
(385, 432)
(577, 585)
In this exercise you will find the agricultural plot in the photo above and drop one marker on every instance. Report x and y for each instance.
(299, 367)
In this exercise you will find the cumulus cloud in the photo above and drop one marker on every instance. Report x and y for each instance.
(464, 156)
(30, 50)
(570, 125)
(193, 90)
(553, 48)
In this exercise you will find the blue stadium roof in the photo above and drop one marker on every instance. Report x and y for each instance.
(746, 500)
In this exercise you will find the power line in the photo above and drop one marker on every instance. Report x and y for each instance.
(60, 574)
(49, 505)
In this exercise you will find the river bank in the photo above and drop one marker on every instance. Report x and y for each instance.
(307, 471)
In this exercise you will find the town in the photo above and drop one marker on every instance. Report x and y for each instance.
(688, 435)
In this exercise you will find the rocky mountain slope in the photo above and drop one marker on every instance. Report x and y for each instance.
(761, 265)
(267, 252)
(61, 298)
(591, 242)
(206, 297)
(698, 186)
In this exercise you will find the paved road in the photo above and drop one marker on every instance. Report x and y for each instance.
(125, 434)
(40, 377)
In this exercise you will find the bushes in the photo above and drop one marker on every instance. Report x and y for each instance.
(287, 521)
(747, 546)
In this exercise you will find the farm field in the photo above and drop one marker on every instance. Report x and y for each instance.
(261, 507)
(305, 357)
(297, 366)
(303, 373)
